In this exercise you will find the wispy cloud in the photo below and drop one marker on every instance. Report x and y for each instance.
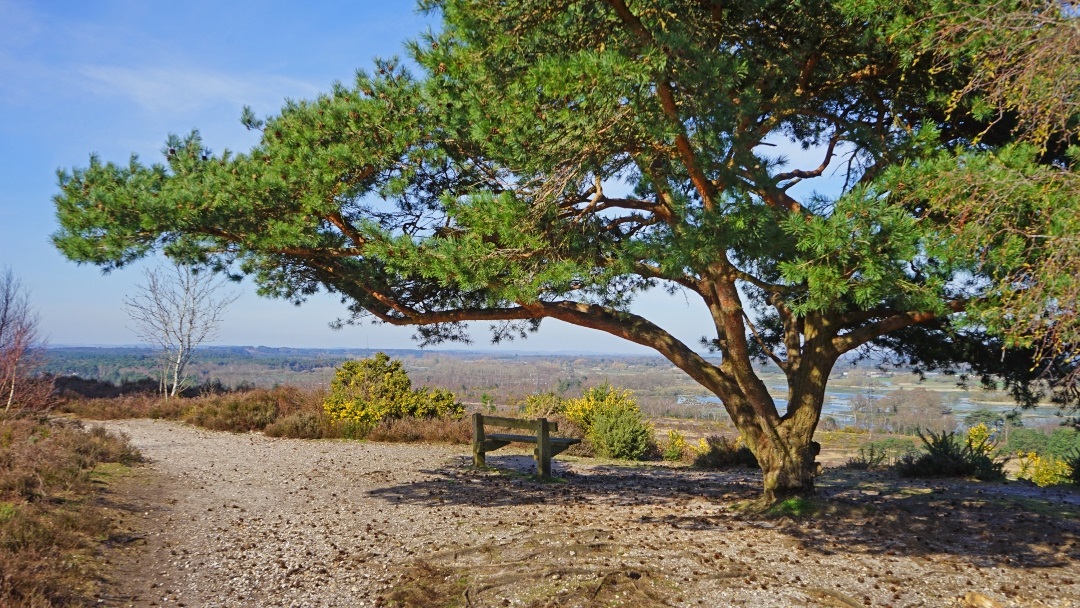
(19, 25)
(183, 90)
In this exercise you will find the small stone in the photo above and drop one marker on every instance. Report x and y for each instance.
(974, 599)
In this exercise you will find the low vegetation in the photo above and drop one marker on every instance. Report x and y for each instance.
(49, 522)
(357, 407)
(881, 453)
(948, 455)
(721, 452)
(367, 392)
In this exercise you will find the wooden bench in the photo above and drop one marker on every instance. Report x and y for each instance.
(546, 445)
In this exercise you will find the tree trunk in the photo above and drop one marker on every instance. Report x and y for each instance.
(788, 469)
(14, 376)
(784, 445)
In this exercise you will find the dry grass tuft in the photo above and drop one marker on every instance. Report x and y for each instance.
(48, 522)
(282, 411)
(433, 430)
(125, 406)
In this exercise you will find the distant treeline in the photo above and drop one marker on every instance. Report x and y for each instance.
(502, 377)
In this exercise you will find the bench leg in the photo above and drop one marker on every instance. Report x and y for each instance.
(543, 450)
(479, 457)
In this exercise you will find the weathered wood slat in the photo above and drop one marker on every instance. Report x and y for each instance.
(546, 445)
(529, 439)
(518, 423)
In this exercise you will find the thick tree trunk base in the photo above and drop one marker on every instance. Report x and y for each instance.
(789, 474)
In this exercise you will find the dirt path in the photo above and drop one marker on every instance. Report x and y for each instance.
(221, 519)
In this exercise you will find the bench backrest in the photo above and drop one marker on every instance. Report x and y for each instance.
(517, 423)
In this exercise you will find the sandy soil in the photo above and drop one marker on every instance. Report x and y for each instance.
(220, 519)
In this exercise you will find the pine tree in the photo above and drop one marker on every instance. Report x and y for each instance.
(481, 191)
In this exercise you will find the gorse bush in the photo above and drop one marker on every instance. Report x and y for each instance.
(946, 455)
(1044, 470)
(375, 389)
(543, 405)
(611, 422)
(619, 432)
(675, 449)
(583, 410)
(981, 438)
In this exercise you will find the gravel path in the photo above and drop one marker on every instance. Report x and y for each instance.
(220, 519)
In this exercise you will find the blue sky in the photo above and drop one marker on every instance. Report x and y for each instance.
(116, 77)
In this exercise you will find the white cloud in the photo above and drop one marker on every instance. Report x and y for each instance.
(184, 90)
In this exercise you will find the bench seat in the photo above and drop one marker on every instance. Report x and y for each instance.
(546, 445)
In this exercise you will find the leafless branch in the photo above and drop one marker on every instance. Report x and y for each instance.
(176, 310)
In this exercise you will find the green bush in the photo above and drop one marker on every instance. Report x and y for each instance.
(1073, 460)
(947, 455)
(369, 391)
(675, 449)
(1063, 442)
(719, 452)
(609, 420)
(869, 458)
(1025, 441)
(620, 432)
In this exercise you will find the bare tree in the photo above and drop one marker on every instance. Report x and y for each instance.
(19, 345)
(177, 309)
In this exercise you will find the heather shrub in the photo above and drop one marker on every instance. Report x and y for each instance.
(125, 406)
(49, 524)
(443, 429)
(369, 391)
(303, 425)
(720, 452)
(236, 412)
(568, 428)
(251, 409)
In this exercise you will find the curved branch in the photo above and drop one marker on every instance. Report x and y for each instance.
(857, 337)
(800, 174)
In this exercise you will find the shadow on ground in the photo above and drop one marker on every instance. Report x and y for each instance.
(874, 514)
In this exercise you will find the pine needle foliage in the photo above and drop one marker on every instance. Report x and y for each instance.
(555, 160)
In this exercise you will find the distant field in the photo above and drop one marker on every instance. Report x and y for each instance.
(500, 378)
